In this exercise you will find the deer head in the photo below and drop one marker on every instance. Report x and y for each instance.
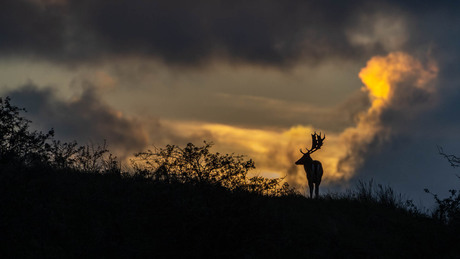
(316, 143)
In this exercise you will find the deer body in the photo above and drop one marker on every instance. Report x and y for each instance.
(313, 168)
(314, 171)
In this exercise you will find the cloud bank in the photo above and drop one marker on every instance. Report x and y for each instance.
(181, 32)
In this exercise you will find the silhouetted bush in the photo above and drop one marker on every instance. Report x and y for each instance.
(447, 210)
(194, 164)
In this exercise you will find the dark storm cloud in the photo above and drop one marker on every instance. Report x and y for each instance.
(85, 118)
(184, 32)
(26, 29)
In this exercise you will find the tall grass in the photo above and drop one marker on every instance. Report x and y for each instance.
(377, 194)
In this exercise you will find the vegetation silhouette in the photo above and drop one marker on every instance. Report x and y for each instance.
(198, 165)
(65, 200)
(447, 210)
(17, 143)
(313, 168)
(24, 148)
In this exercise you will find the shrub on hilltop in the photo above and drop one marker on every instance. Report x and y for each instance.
(197, 164)
(447, 210)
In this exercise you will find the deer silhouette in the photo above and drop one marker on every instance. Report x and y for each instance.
(313, 168)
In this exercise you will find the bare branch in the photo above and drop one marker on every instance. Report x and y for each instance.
(453, 160)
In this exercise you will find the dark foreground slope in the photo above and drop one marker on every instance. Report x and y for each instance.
(60, 214)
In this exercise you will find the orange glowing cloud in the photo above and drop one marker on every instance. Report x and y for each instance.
(382, 75)
(384, 78)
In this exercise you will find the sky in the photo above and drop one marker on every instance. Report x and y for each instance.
(256, 78)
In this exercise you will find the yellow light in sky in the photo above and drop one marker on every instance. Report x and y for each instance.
(375, 80)
(382, 75)
(275, 151)
(384, 78)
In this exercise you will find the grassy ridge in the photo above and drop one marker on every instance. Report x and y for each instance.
(62, 200)
(52, 213)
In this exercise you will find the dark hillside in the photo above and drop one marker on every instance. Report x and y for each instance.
(62, 200)
(52, 213)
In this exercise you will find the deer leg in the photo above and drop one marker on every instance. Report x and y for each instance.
(316, 190)
(311, 186)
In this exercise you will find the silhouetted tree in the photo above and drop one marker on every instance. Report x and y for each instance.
(20, 145)
(17, 143)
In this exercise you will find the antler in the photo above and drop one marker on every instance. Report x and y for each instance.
(316, 143)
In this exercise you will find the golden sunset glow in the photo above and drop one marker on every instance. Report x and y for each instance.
(138, 79)
(275, 151)
(227, 121)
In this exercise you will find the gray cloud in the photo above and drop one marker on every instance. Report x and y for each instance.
(252, 111)
(184, 32)
(26, 29)
(85, 118)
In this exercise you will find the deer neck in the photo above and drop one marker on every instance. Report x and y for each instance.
(308, 165)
